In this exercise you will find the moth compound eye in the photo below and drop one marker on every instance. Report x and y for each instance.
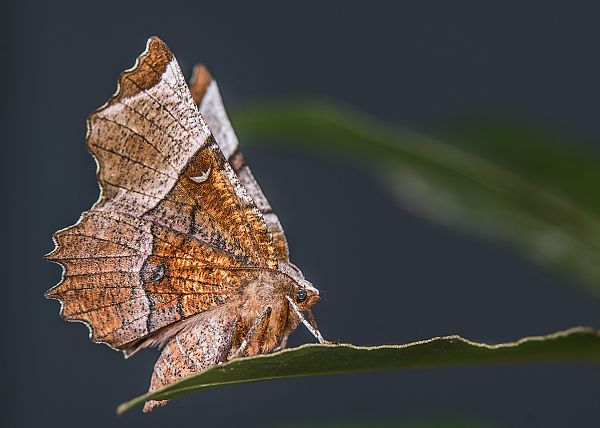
(301, 295)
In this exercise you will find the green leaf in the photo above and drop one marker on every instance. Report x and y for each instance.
(510, 183)
(576, 344)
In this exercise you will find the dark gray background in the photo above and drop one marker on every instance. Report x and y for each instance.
(389, 276)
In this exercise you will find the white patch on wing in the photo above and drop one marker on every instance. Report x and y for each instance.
(202, 178)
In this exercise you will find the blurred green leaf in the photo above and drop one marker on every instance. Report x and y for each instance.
(551, 160)
(576, 344)
(502, 180)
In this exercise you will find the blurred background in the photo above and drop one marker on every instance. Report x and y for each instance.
(392, 271)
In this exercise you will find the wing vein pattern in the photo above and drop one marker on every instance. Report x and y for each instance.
(159, 246)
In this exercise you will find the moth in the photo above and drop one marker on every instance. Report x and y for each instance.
(182, 250)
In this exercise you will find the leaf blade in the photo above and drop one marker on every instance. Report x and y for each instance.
(576, 344)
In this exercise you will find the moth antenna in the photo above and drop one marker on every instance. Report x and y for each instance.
(310, 328)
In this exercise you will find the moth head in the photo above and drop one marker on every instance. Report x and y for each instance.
(306, 294)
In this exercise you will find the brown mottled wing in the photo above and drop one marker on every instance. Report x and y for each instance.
(174, 232)
(206, 95)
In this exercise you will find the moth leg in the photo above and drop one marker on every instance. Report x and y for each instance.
(232, 337)
(315, 332)
(310, 317)
(282, 344)
(257, 331)
(284, 341)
